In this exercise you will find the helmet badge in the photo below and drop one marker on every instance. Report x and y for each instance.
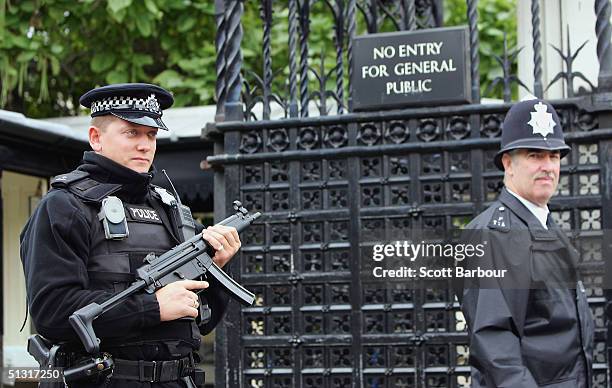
(541, 121)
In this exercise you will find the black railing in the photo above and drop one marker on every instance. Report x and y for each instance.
(332, 185)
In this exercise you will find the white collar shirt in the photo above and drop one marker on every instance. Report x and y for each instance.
(541, 213)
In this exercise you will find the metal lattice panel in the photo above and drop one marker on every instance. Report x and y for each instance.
(332, 188)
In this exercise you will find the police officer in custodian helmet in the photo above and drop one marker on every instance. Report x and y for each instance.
(71, 259)
(530, 332)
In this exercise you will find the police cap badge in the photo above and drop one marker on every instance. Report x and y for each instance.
(531, 124)
(137, 103)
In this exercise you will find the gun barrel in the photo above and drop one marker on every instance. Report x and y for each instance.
(239, 221)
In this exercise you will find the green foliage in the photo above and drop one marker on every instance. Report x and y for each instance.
(51, 51)
(495, 17)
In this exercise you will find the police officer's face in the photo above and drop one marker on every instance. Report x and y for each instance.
(532, 174)
(128, 144)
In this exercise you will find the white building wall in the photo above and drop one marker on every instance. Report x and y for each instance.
(556, 18)
(19, 196)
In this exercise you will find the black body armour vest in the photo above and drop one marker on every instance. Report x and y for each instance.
(112, 264)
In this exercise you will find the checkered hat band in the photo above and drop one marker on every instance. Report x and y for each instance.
(149, 104)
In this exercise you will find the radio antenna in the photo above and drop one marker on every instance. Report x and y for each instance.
(176, 196)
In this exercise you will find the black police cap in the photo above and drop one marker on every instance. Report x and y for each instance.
(137, 103)
(531, 124)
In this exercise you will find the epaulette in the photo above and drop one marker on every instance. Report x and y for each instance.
(65, 180)
(85, 188)
(500, 219)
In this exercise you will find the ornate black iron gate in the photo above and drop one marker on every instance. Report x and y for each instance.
(331, 186)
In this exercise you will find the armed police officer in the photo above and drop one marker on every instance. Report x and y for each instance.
(535, 329)
(72, 256)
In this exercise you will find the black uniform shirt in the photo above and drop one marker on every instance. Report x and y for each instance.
(55, 248)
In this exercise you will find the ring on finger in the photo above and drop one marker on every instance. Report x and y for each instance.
(195, 303)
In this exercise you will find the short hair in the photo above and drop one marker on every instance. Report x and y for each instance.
(512, 154)
(101, 122)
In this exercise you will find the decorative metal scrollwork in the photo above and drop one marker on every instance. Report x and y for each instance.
(250, 143)
(428, 130)
(279, 172)
(586, 121)
(336, 169)
(397, 132)
(336, 136)
(252, 174)
(278, 140)
(371, 167)
(308, 138)
(491, 126)
(458, 128)
(399, 166)
(369, 134)
(569, 74)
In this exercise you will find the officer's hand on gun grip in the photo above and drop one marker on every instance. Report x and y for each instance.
(177, 301)
(225, 241)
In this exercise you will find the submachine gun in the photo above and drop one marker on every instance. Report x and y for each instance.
(189, 260)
